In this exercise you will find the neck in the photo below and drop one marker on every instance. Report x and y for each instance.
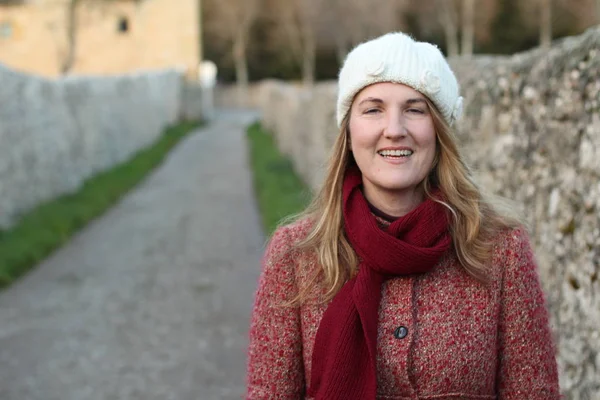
(393, 203)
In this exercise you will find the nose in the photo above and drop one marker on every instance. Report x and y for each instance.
(396, 126)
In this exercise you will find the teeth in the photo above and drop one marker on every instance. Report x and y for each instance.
(396, 153)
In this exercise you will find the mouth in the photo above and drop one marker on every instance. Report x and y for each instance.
(395, 154)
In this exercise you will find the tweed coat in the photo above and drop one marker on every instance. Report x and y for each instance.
(441, 335)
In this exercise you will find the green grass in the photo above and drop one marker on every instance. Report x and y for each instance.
(48, 226)
(280, 192)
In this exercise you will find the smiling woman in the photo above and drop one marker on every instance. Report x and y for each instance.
(393, 143)
(400, 281)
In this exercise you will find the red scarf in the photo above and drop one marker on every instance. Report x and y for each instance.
(344, 355)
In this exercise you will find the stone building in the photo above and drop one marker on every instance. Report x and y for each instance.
(110, 36)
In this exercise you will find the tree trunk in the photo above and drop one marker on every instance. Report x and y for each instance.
(241, 65)
(546, 24)
(338, 18)
(451, 39)
(341, 47)
(448, 20)
(308, 58)
(69, 59)
(468, 28)
(308, 66)
(598, 11)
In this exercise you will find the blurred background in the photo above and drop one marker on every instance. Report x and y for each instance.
(148, 148)
(256, 39)
(308, 39)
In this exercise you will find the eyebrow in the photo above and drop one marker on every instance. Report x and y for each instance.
(379, 101)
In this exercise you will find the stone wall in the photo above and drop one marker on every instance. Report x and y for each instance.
(532, 133)
(56, 133)
(192, 101)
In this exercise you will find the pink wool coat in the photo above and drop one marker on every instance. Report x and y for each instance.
(441, 335)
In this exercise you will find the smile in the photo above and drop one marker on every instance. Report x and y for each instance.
(395, 153)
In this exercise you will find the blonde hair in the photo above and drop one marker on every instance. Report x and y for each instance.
(474, 221)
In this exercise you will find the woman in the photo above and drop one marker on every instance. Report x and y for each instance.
(400, 281)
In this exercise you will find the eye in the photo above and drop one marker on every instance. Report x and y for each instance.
(371, 110)
(415, 111)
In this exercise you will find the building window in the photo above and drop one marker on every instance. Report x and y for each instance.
(123, 26)
(6, 30)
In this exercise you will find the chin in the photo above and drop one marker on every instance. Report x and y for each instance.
(396, 186)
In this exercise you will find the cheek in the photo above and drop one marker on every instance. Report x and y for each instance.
(432, 146)
(354, 138)
(429, 140)
(361, 136)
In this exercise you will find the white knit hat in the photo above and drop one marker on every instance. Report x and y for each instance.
(396, 57)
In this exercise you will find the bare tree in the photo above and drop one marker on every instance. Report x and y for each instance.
(545, 23)
(339, 24)
(468, 28)
(351, 22)
(449, 12)
(298, 22)
(230, 21)
(449, 19)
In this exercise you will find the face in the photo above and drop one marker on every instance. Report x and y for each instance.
(392, 138)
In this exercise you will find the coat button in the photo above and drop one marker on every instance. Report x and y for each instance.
(400, 332)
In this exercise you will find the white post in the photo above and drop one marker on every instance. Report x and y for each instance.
(207, 75)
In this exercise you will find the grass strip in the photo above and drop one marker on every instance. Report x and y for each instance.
(50, 225)
(280, 192)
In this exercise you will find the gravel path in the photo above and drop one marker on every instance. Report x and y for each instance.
(152, 300)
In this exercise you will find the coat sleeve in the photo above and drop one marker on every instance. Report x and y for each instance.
(527, 362)
(275, 365)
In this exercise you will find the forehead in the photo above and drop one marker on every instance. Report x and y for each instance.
(388, 90)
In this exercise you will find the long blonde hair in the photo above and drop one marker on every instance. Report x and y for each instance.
(474, 221)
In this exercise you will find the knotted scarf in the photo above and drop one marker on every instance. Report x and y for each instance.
(344, 356)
